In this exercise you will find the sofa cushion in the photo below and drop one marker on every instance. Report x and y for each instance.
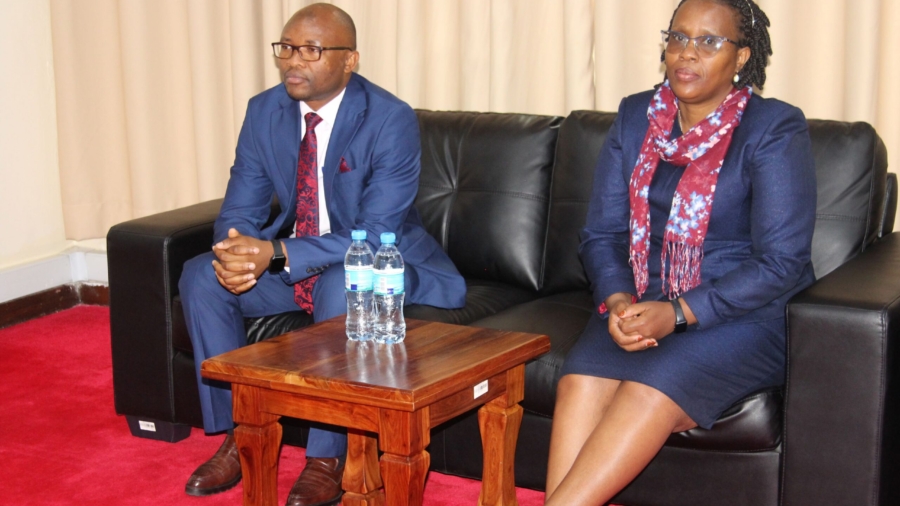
(750, 425)
(562, 317)
(484, 191)
(851, 167)
(483, 298)
(267, 327)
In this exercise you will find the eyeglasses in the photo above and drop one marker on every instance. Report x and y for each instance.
(307, 53)
(705, 45)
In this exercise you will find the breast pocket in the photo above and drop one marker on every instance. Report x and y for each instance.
(349, 177)
(348, 190)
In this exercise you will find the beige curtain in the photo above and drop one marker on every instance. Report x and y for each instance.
(151, 94)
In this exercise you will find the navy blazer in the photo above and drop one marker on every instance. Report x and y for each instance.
(377, 135)
(756, 254)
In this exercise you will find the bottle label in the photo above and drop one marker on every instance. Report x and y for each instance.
(358, 278)
(389, 281)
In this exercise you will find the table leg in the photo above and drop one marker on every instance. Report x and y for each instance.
(258, 438)
(403, 437)
(499, 430)
(405, 477)
(362, 479)
(499, 421)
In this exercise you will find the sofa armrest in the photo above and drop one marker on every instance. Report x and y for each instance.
(890, 205)
(145, 258)
(841, 399)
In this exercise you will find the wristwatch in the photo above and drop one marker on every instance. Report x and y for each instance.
(680, 320)
(276, 264)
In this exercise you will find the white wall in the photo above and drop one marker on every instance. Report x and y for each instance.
(31, 220)
(34, 252)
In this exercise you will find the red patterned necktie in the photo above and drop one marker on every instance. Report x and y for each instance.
(307, 203)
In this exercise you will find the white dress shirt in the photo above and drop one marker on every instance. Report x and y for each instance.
(328, 113)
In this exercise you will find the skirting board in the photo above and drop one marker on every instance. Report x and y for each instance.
(51, 301)
(67, 268)
(53, 284)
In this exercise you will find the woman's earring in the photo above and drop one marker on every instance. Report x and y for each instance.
(737, 77)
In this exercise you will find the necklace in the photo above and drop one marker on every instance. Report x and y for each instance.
(681, 122)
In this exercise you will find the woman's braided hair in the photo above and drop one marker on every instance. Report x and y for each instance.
(754, 27)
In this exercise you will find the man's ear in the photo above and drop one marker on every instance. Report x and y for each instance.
(351, 61)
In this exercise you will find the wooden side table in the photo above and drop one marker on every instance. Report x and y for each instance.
(388, 396)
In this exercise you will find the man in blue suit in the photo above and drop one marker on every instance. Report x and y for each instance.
(342, 154)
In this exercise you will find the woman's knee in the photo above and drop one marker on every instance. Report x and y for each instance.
(567, 385)
(578, 386)
(646, 395)
(655, 401)
(583, 400)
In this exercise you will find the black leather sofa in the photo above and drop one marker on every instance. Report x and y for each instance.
(506, 195)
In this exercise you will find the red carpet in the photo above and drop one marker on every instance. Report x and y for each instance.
(62, 443)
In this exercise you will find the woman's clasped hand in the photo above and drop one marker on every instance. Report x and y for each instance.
(641, 325)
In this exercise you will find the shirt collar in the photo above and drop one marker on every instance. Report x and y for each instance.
(327, 112)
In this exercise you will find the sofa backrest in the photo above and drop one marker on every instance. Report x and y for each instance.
(856, 200)
(581, 136)
(484, 191)
(853, 201)
(507, 197)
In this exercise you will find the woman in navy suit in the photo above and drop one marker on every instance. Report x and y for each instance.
(698, 232)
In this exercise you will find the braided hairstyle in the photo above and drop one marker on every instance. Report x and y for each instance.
(754, 27)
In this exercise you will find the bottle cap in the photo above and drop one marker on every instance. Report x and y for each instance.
(358, 235)
(388, 238)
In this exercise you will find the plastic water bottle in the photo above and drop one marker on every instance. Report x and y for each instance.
(358, 283)
(390, 327)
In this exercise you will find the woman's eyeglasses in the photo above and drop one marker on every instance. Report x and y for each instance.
(705, 45)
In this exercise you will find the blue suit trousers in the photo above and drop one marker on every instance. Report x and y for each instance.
(215, 321)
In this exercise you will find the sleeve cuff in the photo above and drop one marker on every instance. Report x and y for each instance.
(603, 310)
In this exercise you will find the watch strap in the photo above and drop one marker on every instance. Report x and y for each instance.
(680, 320)
(276, 263)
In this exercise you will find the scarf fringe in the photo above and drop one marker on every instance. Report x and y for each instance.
(684, 267)
(638, 263)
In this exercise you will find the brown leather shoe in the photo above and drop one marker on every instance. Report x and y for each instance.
(319, 484)
(218, 474)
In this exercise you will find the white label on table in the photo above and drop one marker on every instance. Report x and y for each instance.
(481, 389)
(152, 426)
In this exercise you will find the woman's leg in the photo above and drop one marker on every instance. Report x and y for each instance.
(580, 404)
(630, 432)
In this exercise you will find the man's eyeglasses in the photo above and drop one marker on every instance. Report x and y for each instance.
(307, 53)
(705, 45)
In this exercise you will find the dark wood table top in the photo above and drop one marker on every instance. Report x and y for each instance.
(435, 360)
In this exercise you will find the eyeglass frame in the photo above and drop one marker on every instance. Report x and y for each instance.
(722, 40)
(296, 49)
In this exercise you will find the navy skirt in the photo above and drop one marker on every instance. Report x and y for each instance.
(704, 371)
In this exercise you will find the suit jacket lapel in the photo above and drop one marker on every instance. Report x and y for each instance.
(349, 118)
(285, 134)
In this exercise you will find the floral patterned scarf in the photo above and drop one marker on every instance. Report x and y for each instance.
(702, 149)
